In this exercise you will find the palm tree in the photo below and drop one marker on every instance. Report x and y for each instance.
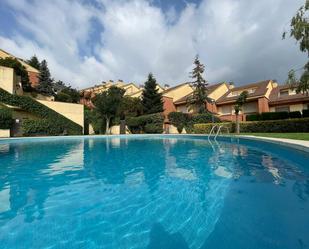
(241, 100)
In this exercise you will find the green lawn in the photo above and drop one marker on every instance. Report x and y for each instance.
(299, 136)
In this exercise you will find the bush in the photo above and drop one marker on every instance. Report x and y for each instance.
(41, 127)
(206, 128)
(179, 119)
(154, 128)
(253, 117)
(289, 125)
(6, 119)
(268, 116)
(151, 123)
(296, 114)
(306, 113)
(30, 105)
(203, 118)
(187, 121)
(274, 115)
(63, 97)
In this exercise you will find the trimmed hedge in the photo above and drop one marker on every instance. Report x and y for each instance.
(41, 127)
(187, 120)
(288, 125)
(296, 114)
(151, 123)
(205, 128)
(28, 104)
(273, 116)
(6, 119)
(306, 113)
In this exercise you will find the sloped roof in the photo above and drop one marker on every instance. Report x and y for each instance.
(210, 88)
(260, 90)
(276, 98)
(173, 88)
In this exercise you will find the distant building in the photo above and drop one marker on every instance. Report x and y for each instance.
(131, 90)
(11, 83)
(33, 73)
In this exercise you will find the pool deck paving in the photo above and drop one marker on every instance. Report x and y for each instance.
(298, 144)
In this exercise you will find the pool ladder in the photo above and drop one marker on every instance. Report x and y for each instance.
(212, 131)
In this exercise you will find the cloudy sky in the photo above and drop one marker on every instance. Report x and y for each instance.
(86, 42)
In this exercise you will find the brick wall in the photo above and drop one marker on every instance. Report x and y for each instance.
(263, 105)
(33, 78)
(168, 105)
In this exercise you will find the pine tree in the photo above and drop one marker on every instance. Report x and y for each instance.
(151, 98)
(199, 97)
(34, 62)
(45, 85)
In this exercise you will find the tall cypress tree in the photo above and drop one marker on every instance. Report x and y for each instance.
(45, 85)
(151, 98)
(34, 62)
(199, 97)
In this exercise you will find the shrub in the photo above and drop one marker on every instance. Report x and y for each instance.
(153, 128)
(296, 114)
(253, 117)
(41, 127)
(204, 118)
(63, 97)
(28, 104)
(274, 115)
(206, 128)
(179, 119)
(139, 124)
(187, 121)
(289, 125)
(306, 113)
(6, 119)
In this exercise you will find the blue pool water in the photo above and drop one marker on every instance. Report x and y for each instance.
(152, 192)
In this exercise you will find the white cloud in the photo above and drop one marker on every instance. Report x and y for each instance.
(238, 40)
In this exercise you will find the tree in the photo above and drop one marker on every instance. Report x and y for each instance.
(65, 93)
(151, 98)
(34, 62)
(130, 107)
(241, 100)
(300, 32)
(19, 70)
(108, 103)
(199, 96)
(45, 85)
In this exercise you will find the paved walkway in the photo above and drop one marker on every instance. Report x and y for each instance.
(298, 144)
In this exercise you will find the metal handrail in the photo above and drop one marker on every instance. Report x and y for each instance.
(219, 129)
(212, 129)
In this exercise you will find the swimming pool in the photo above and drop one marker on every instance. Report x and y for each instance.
(152, 192)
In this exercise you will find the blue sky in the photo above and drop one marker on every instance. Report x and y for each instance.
(86, 42)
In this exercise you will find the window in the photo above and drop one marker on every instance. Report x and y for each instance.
(282, 109)
(284, 92)
(225, 109)
(237, 93)
(250, 107)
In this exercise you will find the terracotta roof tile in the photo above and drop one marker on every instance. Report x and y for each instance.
(210, 88)
(260, 89)
(276, 98)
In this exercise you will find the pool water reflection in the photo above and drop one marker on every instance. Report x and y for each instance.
(159, 192)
